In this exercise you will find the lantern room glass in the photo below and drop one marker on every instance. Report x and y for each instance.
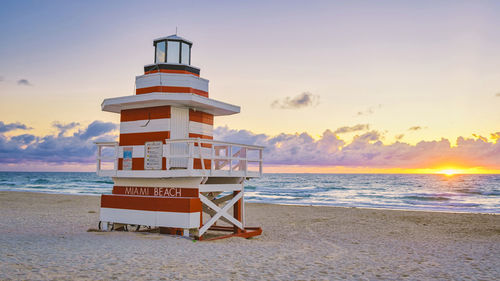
(173, 51)
(160, 52)
(185, 54)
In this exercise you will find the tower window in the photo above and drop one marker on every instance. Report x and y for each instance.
(185, 54)
(160, 52)
(173, 51)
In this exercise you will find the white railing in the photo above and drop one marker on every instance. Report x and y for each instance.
(107, 159)
(222, 156)
(196, 157)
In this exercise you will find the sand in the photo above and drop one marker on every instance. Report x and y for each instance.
(44, 236)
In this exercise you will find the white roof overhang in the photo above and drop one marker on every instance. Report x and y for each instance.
(173, 37)
(193, 101)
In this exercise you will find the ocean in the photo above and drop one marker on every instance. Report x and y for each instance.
(457, 193)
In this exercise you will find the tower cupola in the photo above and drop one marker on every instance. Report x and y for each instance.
(172, 49)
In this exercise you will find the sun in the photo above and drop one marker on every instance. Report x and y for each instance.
(449, 172)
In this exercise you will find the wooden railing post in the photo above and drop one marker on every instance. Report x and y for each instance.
(98, 159)
(212, 162)
(190, 156)
(202, 159)
(166, 154)
(230, 159)
(260, 162)
(116, 157)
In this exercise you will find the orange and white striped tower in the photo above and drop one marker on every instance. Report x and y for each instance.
(167, 169)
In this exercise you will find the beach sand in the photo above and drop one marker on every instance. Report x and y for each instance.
(44, 236)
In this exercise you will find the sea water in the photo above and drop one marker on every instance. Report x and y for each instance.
(457, 193)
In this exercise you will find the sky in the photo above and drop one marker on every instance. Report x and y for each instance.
(326, 86)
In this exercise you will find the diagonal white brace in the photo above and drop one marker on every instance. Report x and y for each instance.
(220, 212)
(223, 213)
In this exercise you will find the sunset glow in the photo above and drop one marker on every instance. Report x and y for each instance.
(369, 170)
(449, 172)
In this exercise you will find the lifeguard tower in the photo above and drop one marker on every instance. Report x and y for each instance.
(167, 169)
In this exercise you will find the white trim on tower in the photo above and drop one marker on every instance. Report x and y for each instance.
(145, 126)
(171, 80)
(211, 106)
(200, 128)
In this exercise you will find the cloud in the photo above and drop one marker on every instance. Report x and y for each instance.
(239, 136)
(480, 137)
(495, 136)
(366, 150)
(497, 94)
(415, 128)
(64, 127)
(12, 126)
(303, 100)
(95, 129)
(370, 110)
(76, 148)
(24, 82)
(400, 137)
(1, 78)
(24, 139)
(355, 128)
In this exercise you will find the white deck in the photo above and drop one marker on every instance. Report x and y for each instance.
(215, 107)
(226, 160)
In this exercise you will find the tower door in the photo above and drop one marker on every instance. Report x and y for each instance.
(179, 124)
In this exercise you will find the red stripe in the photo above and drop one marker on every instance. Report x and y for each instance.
(197, 164)
(172, 71)
(141, 138)
(158, 112)
(208, 145)
(205, 137)
(138, 164)
(148, 203)
(170, 89)
(156, 191)
(201, 117)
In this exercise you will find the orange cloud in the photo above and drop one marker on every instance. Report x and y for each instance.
(495, 136)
